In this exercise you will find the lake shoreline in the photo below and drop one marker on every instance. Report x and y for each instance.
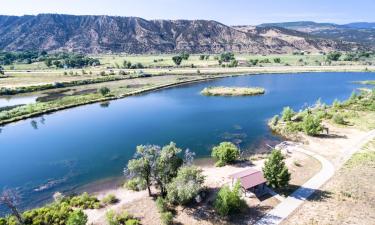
(175, 84)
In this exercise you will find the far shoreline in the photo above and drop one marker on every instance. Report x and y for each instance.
(301, 70)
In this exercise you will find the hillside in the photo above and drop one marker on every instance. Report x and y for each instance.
(109, 34)
(360, 32)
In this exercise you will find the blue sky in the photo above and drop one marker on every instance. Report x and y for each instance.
(231, 12)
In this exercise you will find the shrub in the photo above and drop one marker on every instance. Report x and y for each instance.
(225, 153)
(132, 222)
(277, 60)
(104, 91)
(287, 114)
(167, 218)
(311, 125)
(110, 199)
(275, 171)
(77, 217)
(177, 60)
(227, 57)
(85, 201)
(161, 204)
(229, 201)
(121, 219)
(186, 186)
(136, 184)
(338, 119)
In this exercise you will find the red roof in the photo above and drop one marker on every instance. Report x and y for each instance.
(249, 178)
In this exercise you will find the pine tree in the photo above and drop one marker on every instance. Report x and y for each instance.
(275, 171)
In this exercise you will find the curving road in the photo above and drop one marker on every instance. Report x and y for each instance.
(292, 202)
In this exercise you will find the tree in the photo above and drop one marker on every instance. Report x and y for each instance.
(202, 57)
(229, 201)
(104, 91)
(1, 70)
(225, 153)
(177, 59)
(287, 114)
(275, 171)
(277, 60)
(333, 56)
(77, 217)
(186, 185)
(311, 125)
(227, 57)
(185, 55)
(11, 198)
(167, 166)
(48, 62)
(144, 164)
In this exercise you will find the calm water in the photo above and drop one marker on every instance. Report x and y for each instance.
(16, 100)
(65, 150)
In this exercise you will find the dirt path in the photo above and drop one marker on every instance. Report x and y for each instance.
(286, 207)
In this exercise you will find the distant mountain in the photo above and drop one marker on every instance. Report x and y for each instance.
(109, 34)
(361, 32)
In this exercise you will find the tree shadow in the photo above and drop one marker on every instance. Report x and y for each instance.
(205, 211)
(299, 192)
(332, 136)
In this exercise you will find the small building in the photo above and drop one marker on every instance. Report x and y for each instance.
(251, 180)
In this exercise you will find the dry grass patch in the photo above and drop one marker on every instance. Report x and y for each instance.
(232, 91)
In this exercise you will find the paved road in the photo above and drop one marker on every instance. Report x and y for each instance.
(291, 203)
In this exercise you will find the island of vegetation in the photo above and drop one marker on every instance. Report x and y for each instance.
(232, 91)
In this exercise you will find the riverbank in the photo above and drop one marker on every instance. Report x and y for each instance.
(24, 112)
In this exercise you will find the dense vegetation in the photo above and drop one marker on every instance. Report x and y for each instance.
(225, 153)
(64, 210)
(229, 201)
(58, 60)
(310, 119)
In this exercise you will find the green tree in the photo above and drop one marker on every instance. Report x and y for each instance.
(167, 166)
(77, 217)
(225, 153)
(333, 56)
(186, 186)
(229, 201)
(185, 55)
(104, 91)
(227, 57)
(177, 60)
(277, 60)
(1, 70)
(201, 57)
(287, 114)
(275, 171)
(311, 125)
(144, 165)
(48, 62)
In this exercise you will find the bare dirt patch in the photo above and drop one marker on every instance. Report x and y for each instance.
(348, 198)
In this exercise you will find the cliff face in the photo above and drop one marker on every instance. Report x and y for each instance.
(108, 34)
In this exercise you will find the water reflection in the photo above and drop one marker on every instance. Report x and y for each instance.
(105, 104)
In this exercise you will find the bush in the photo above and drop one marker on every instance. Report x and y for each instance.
(121, 219)
(275, 171)
(277, 60)
(229, 201)
(161, 204)
(85, 201)
(311, 125)
(338, 119)
(136, 184)
(167, 218)
(287, 114)
(225, 153)
(77, 218)
(104, 91)
(177, 60)
(186, 186)
(110, 199)
(227, 57)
